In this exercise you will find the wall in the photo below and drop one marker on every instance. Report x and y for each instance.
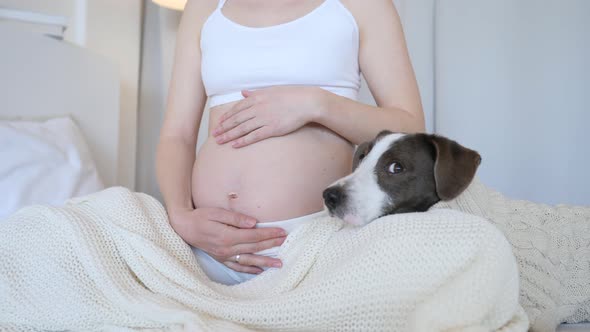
(513, 82)
(114, 30)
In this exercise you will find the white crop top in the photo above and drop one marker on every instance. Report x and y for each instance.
(319, 49)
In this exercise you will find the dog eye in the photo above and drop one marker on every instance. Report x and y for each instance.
(395, 168)
(361, 156)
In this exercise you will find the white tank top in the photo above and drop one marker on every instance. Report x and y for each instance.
(319, 49)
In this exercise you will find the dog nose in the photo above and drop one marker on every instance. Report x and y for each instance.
(333, 197)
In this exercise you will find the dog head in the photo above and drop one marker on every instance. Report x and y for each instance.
(398, 173)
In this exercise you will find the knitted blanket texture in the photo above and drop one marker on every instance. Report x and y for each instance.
(111, 262)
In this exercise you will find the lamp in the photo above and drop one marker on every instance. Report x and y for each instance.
(172, 4)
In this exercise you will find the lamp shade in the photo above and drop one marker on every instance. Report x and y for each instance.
(172, 4)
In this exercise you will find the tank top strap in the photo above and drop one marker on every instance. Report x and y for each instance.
(220, 4)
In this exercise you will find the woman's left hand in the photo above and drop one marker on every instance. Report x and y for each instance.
(265, 113)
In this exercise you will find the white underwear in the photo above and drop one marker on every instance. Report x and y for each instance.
(220, 273)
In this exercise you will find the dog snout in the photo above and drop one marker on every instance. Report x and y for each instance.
(333, 197)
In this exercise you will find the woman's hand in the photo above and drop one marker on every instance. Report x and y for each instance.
(265, 113)
(223, 234)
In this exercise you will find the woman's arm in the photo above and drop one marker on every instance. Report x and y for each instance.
(385, 63)
(186, 101)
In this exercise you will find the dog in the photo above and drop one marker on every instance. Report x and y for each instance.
(401, 173)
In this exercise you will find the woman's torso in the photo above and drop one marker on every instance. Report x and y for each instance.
(280, 177)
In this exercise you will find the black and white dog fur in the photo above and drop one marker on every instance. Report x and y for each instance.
(398, 173)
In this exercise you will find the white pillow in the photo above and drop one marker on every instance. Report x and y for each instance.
(43, 163)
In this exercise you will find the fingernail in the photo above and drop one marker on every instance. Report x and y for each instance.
(282, 233)
(219, 139)
(250, 223)
(277, 264)
(234, 144)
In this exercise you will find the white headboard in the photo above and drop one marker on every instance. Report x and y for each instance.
(41, 77)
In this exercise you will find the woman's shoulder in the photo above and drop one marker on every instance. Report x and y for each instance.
(364, 5)
(367, 11)
(199, 10)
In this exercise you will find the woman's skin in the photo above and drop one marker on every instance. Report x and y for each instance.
(269, 156)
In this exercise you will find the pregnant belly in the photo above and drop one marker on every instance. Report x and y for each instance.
(275, 179)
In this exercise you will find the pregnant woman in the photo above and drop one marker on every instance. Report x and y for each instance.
(282, 79)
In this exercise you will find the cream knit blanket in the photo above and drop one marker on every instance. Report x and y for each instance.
(552, 247)
(111, 262)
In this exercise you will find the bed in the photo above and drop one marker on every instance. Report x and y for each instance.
(47, 82)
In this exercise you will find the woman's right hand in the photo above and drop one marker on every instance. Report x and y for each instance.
(224, 234)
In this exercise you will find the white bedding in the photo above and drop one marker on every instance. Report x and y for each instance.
(111, 261)
(44, 163)
(112, 258)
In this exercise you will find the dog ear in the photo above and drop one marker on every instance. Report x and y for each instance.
(454, 167)
(382, 133)
(361, 152)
